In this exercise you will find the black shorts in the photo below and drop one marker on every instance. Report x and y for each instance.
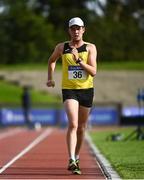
(83, 96)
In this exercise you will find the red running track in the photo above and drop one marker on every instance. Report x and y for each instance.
(29, 154)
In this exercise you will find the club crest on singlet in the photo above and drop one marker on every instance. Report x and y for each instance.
(76, 72)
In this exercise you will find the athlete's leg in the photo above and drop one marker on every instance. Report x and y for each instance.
(82, 122)
(71, 107)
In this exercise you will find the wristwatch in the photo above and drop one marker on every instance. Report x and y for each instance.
(78, 61)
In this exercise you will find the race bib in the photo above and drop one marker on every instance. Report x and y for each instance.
(76, 72)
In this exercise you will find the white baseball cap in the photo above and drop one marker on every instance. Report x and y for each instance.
(76, 21)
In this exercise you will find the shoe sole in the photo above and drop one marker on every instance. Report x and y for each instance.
(77, 172)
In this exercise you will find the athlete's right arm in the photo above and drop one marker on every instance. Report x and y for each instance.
(52, 63)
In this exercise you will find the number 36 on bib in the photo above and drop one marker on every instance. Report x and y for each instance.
(76, 72)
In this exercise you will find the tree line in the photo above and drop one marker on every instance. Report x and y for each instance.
(30, 29)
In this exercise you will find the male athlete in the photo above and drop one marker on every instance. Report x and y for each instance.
(78, 69)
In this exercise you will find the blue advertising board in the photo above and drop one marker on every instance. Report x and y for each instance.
(16, 117)
(132, 111)
(11, 117)
(98, 116)
(104, 116)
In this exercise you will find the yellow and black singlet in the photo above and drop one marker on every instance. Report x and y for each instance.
(73, 75)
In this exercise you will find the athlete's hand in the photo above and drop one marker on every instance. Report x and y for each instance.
(75, 53)
(50, 83)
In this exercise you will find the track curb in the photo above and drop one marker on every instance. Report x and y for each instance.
(104, 164)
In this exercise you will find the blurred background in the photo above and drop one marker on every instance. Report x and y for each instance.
(29, 31)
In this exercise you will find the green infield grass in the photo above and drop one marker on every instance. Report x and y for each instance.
(11, 94)
(126, 157)
(28, 66)
(116, 65)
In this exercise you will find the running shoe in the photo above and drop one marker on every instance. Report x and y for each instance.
(72, 165)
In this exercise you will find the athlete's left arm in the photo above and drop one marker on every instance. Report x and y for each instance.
(91, 66)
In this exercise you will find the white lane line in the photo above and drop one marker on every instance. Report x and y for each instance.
(28, 148)
(10, 133)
